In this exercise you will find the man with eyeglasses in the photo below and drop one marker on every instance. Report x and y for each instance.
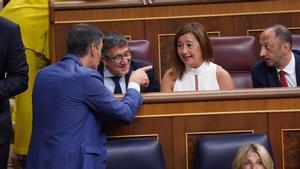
(280, 65)
(118, 65)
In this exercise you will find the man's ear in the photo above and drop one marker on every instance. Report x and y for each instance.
(286, 47)
(104, 60)
(93, 49)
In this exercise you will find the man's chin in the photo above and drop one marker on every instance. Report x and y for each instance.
(123, 72)
(269, 63)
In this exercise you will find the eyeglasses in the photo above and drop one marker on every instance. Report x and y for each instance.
(120, 57)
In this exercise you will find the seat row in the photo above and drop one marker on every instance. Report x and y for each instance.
(236, 54)
(147, 152)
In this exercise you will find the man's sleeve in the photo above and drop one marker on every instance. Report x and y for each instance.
(103, 103)
(16, 68)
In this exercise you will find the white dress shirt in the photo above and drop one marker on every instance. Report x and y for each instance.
(290, 72)
(110, 84)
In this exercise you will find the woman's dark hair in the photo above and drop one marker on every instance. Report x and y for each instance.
(202, 37)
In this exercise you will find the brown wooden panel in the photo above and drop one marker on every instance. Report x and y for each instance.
(212, 107)
(91, 4)
(186, 128)
(71, 14)
(166, 52)
(59, 41)
(291, 144)
(160, 32)
(148, 126)
(253, 24)
(131, 29)
(282, 135)
(180, 118)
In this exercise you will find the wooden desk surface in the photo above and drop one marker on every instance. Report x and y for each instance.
(178, 119)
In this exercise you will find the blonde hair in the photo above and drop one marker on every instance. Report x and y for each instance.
(256, 148)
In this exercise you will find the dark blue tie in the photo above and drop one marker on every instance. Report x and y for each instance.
(118, 89)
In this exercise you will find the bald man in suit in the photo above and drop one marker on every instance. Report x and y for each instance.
(280, 65)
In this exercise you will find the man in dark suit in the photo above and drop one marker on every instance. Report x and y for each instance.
(13, 79)
(118, 65)
(70, 103)
(280, 65)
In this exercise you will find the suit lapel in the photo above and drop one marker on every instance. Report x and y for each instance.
(297, 66)
(273, 77)
(127, 76)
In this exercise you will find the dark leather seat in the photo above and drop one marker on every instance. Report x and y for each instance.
(236, 54)
(219, 152)
(134, 154)
(141, 49)
(296, 41)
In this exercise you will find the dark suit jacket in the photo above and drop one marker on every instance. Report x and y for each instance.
(70, 103)
(266, 76)
(136, 64)
(13, 72)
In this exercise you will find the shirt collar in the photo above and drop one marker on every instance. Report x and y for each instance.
(107, 73)
(290, 68)
(197, 70)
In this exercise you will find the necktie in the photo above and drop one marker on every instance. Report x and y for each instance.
(116, 80)
(283, 82)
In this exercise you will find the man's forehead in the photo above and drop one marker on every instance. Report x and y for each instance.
(119, 49)
(267, 36)
(270, 33)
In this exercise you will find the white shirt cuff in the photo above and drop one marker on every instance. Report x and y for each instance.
(134, 85)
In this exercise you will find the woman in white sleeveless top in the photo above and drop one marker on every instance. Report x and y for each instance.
(192, 68)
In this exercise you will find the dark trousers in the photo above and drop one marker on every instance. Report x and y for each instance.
(4, 153)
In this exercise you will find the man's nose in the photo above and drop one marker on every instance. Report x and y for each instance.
(125, 60)
(262, 52)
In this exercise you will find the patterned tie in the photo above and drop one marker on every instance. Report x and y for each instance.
(118, 89)
(283, 82)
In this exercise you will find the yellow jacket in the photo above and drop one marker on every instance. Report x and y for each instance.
(33, 18)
